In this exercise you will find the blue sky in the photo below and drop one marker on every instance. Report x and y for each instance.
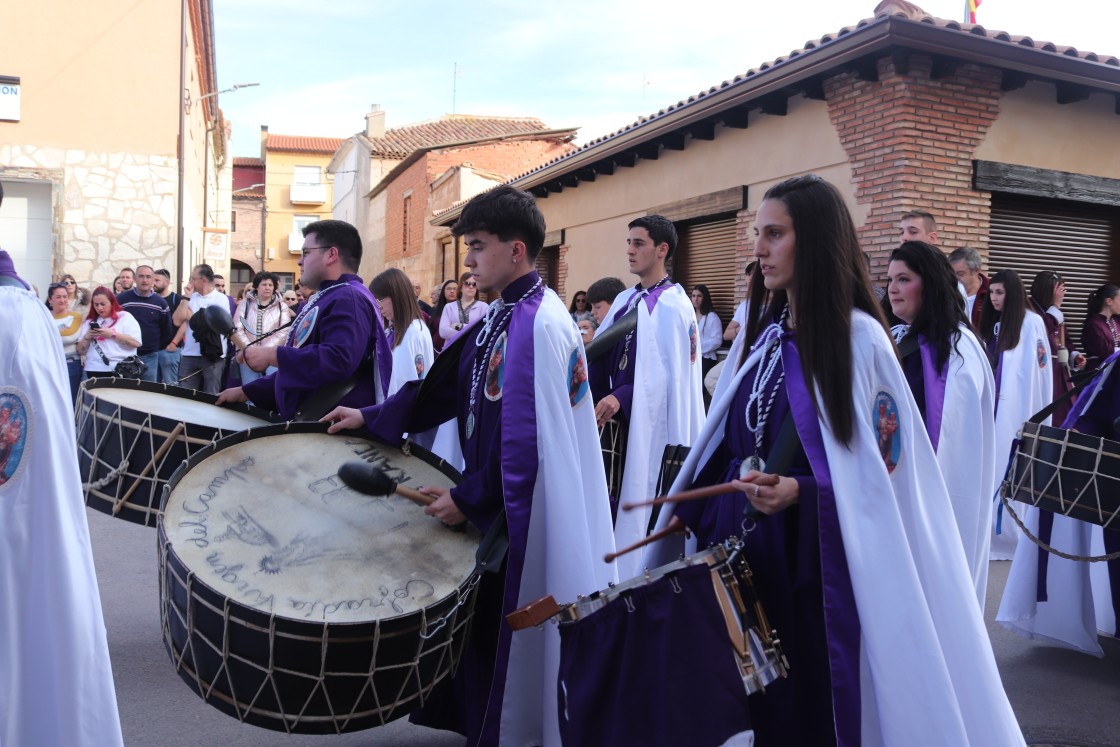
(594, 65)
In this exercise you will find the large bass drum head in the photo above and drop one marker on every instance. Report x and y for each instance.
(295, 603)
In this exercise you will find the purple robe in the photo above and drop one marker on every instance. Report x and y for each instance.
(800, 570)
(334, 338)
(1098, 339)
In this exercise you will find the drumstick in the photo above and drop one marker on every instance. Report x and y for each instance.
(176, 431)
(695, 494)
(666, 532)
(370, 480)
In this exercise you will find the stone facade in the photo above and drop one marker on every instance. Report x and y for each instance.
(111, 210)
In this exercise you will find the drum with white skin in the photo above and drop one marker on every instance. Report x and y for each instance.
(295, 603)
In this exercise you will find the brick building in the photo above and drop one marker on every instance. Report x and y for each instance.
(1009, 141)
(388, 182)
(247, 235)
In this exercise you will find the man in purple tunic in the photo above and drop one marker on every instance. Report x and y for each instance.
(336, 346)
(516, 382)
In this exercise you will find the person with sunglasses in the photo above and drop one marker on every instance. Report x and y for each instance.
(69, 324)
(79, 297)
(335, 353)
(580, 308)
(463, 311)
(291, 299)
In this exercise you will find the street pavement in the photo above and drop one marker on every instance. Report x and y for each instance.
(1061, 697)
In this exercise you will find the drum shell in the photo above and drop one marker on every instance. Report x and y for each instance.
(109, 434)
(317, 677)
(1068, 473)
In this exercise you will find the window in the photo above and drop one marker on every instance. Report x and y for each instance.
(299, 221)
(407, 217)
(287, 281)
(240, 275)
(307, 175)
(233, 221)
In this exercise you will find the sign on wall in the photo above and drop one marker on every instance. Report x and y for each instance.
(9, 98)
(215, 244)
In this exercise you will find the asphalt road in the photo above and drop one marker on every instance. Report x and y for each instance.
(1060, 697)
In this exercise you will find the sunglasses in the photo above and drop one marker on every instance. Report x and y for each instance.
(471, 284)
(581, 300)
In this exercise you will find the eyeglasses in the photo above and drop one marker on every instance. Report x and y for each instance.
(67, 282)
(306, 249)
(471, 284)
(581, 299)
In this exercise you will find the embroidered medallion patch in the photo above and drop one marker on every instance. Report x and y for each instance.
(15, 432)
(693, 342)
(304, 328)
(421, 369)
(885, 416)
(577, 378)
(1043, 354)
(496, 370)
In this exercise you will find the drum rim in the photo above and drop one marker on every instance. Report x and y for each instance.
(295, 427)
(268, 416)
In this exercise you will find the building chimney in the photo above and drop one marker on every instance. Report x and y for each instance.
(264, 140)
(375, 122)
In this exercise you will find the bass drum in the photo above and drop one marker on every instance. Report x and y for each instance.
(133, 435)
(294, 603)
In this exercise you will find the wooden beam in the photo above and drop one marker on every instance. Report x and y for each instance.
(554, 186)
(586, 175)
(867, 69)
(776, 105)
(738, 118)
(703, 130)
(569, 180)
(539, 192)
(627, 158)
(723, 202)
(900, 58)
(1012, 81)
(673, 141)
(942, 67)
(648, 151)
(1070, 94)
(813, 88)
(606, 168)
(991, 176)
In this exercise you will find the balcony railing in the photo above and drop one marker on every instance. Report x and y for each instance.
(309, 194)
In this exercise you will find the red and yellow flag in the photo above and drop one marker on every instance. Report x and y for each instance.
(970, 7)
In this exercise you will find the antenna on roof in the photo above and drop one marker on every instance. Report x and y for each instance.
(454, 85)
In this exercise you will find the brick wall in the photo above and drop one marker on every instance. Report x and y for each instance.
(246, 239)
(910, 141)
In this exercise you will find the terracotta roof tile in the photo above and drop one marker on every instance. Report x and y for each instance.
(399, 142)
(884, 9)
(257, 163)
(248, 194)
(303, 144)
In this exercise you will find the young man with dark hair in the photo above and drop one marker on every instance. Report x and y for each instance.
(152, 314)
(169, 346)
(516, 380)
(128, 279)
(918, 225)
(654, 372)
(337, 352)
(601, 294)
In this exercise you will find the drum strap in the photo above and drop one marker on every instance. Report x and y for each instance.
(325, 399)
(494, 546)
(1047, 411)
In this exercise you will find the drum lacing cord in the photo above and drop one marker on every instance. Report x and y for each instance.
(1048, 548)
(113, 475)
(465, 596)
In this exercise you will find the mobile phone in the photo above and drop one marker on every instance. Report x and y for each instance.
(94, 325)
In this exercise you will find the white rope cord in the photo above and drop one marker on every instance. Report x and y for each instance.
(1052, 550)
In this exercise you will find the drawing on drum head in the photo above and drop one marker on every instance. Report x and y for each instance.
(244, 527)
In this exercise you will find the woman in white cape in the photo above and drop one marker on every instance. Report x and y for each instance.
(856, 557)
(1016, 341)
(953, 387)
(413, 355)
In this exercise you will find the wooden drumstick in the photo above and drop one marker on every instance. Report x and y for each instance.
(175, 433)
(370, 480)
(697, 493)
(666, 532)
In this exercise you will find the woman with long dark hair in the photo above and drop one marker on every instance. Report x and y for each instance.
(709, 326)
(1048, 290)
(108, 335)
(463, 311)
(448, 293)
(1015, 338)
(952, 384)
(840, 529)
(409, 337)
(1100, 335)
(69, 325)
(580, 309)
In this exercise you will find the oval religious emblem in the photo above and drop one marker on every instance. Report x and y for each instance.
(577, 377)
(15, 433)
(885, 417)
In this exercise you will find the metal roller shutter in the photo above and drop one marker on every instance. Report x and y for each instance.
(1075, 240)
(706, 256)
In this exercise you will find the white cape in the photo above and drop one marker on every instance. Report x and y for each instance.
(928, 675)
(667, 407)
(1079, 595)
(569, 525)
(56, 684)
(966, 451)
(1026, 386)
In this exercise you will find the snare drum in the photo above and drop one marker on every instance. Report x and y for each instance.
(695, 628)
(294, 603)
(133, 435)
